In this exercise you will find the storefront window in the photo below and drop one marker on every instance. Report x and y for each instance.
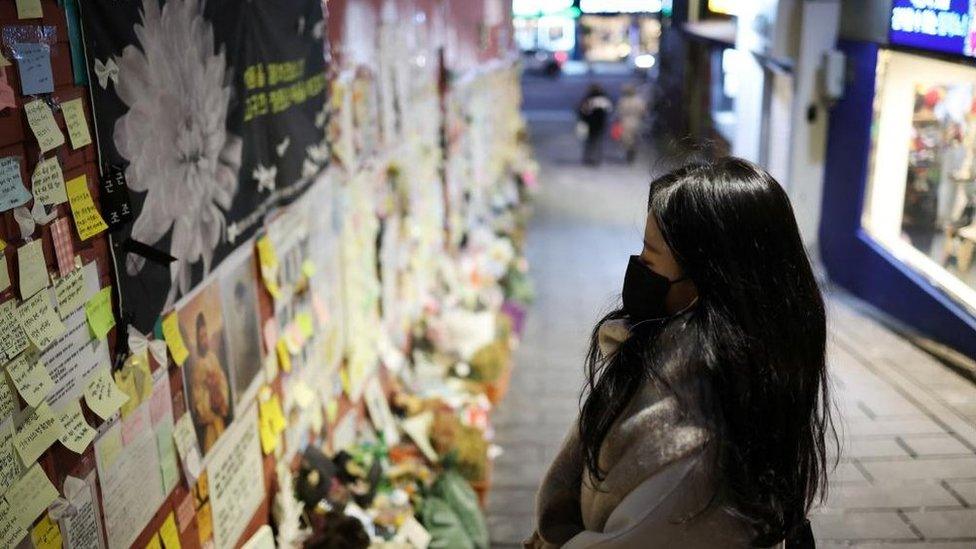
(922, 180)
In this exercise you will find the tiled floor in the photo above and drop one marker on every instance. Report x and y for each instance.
(907, 476)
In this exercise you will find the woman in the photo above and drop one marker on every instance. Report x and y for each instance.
(630, 112)
(704, 419)
(593, 112)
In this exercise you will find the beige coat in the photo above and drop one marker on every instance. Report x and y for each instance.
(656, 460)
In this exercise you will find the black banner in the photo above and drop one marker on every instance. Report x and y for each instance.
(217, 111)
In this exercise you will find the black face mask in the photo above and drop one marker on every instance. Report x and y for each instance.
(644, 291)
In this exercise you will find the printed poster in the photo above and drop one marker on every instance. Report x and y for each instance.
(217, 111)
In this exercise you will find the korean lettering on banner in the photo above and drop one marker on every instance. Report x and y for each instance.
(114, 198)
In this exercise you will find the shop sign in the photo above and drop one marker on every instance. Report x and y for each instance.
(937, 25)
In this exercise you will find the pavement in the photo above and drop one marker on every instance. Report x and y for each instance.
(907, 471)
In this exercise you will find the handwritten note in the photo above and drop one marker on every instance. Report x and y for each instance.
(13, 340)
(39, 321)
(10, 531)
(10, 467)
(234, 464)
(12, 190)
(187, 447)
(34, 64)
(98, 310)
(41, 120)
(81, 529)
(40, 430)
(102, 395)
(33, 494)
(78, 434)
(88, 220)
(174, 340)
(32, 268)
(4, 273)
(8, 404)
(29, 9)
(46, 534)
(47, 182)
(30, 378)
(71, 293)
(74, 118)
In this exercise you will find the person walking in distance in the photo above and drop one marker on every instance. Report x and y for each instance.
(630, 112)
(593, 113)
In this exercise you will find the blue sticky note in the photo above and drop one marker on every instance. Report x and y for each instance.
(12, 190)
(34, 63)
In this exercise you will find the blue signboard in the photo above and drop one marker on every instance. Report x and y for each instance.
(938, 25)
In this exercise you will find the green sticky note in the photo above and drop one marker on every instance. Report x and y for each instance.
(98, 310)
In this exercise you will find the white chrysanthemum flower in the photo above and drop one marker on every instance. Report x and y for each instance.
(174, 135)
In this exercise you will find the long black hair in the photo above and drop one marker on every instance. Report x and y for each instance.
(757, 335)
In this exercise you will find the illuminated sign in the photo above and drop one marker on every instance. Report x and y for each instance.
(726, 7)
(620, 6)
(535, 8)
(938, 25)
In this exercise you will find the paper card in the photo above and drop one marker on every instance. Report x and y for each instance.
(187, 446)
(33, 494)
(78, 434)
(8, 404)
(4, 273)
(168, 533)
(34, 64)
(47, 182)
(82, 528)
(29, 9)
(236, 473)
(11, 533)
(99, 313)
(174, 340)
(39, 321)
(13, 340)
(71, 292)
(41, 120)
(88, 220)
(30, 377)
(12, 190)
(74, 118)
(46, 534)
(102, 395)
(32, 270)
(40, 430)
(64, 247)
(10, 466)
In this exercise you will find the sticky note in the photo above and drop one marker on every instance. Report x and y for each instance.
(64, 247)
(78, 434)
(33, 494)
(34, 65)
(30, 377)
(71, 292)
(29, 9)
(8, 404)
(10, 530)
(32, 270)
(98, 310)
(74, 118)
(154, 542)
(46, 534)
(102, 395)
(39, 321)
(187, 447)
(284, 357)
(88, 220)
(13, 193)
(169, 534)
(40, 430)
(174, 340)
(13, 340)
(308, 268)
(47, 182)
(4, 273)
(41, 120)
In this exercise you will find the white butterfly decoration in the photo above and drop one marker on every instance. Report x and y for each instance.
(318, 153)
(106, 71)
(265, 177)
(321, 116)
(28, 220)
(283, 146)
(318, 30)
(309, 168)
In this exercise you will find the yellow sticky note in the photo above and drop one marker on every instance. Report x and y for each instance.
(268, 262)
(308, 268)
(31, 269)
(169, 534)
(284, 357)
(29, 9)
(267, 425)
(154, 542)
(78, 434)
(33, 493)
(174, 340)
(305, 324)
(331, 410)
(46, 534)
(74, 118)
(30, 377)
(41, 120)
(47, 182)
(102, 395)
(12, 338)
(88, 220)
(70, 291)
(10, 531)
(40, 430)
(98, 310)
(39, 320)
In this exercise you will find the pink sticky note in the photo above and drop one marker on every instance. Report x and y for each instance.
(64, 247)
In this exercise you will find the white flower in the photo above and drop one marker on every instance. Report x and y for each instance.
(174, 136)
(265, 177)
